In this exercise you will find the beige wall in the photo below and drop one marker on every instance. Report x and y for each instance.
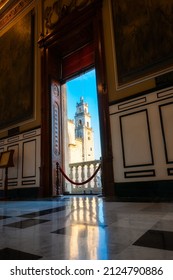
(74, 145)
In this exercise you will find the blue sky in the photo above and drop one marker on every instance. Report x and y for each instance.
(85, 86)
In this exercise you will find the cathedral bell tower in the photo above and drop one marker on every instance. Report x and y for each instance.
(83, 130)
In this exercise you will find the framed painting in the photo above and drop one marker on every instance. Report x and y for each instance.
(143, 37)
(17, 73)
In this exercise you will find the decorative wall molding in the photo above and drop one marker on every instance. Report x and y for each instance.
(164, 93)
(170, 171)
(13, 171)
(28, 182)
(12, 183)
(136, 143)
(29, 159)
(26, 170)
(13, 12)
(1, 171)
(138, 102)
(166, 114)
(60, 9)
(3, 3)
(142, 135)
(139, 173)
(132, 103)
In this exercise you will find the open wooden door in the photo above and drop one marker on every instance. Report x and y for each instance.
(51, 123)
(56, 135)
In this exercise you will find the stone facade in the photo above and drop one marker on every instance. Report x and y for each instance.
(81, 135)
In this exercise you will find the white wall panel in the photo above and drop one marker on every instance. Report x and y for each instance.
(26, 170)
(136, 139)
(13, 171)
(142, 137)
(167, 125)
(1, 172)
(29, 159)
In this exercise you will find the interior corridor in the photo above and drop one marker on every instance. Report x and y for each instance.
(85, 228)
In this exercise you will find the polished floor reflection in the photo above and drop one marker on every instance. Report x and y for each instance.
(85, 228)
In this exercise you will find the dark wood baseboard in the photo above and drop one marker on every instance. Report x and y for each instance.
(144, 191)
(21, 193)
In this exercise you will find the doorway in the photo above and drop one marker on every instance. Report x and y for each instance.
(74, 47)
(82, 151)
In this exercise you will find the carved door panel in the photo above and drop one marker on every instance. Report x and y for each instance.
(56, 117)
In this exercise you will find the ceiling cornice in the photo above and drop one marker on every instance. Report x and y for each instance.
(11, 10)
(3, 3)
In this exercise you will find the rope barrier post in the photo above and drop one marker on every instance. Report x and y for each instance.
(57, 179)
(101, 175)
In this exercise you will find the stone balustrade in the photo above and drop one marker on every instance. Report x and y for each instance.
(82, 171)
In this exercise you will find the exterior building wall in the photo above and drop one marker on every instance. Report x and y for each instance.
(75, 152)
(88, 145)
(71, 134)
(81, 135)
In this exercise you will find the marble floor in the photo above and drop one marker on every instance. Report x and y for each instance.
(85, 228)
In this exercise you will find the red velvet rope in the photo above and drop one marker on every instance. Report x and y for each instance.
(82, 183)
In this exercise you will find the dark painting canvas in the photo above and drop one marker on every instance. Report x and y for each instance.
(17, 72)
(143, 31)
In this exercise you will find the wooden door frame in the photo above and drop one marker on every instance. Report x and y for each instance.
(54, 46)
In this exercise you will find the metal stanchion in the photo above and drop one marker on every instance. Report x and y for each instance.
(58, 180)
